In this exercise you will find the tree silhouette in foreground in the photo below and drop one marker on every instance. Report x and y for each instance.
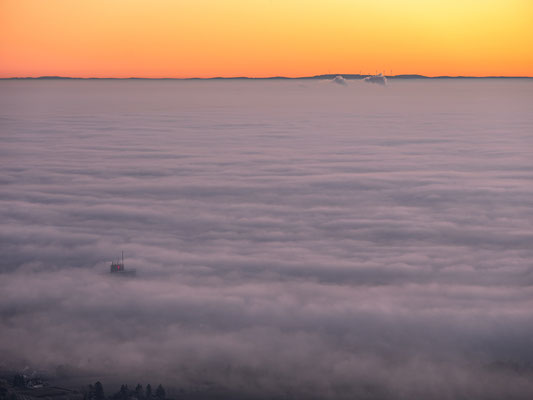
(160, 392)
(139, 392)
(96, 392)
(99, 391)
(124, 392)
(148, 391)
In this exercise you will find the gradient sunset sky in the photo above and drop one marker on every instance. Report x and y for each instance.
(258, 38)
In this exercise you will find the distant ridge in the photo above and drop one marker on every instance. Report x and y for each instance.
(325, 76)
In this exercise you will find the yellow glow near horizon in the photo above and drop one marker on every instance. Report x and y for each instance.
(204, 38)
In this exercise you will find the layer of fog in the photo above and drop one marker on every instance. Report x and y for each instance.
(292, 239)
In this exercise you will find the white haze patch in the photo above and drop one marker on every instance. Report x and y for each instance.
(377, 79)
(339, 80)
(290, 241)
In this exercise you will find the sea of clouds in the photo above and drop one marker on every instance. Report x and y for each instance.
(292, 239)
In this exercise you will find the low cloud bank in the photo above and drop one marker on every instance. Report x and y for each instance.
(377, 79)
(339, 80)
(300, 243)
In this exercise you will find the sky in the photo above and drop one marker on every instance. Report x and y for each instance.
(292, 239)
(259, 38)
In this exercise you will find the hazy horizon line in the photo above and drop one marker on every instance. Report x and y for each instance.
(321, 76)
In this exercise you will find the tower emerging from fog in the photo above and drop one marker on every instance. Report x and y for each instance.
(117, 266)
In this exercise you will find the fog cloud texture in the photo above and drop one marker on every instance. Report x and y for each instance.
(292, 239)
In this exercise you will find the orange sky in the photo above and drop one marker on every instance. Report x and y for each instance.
(204, 38)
